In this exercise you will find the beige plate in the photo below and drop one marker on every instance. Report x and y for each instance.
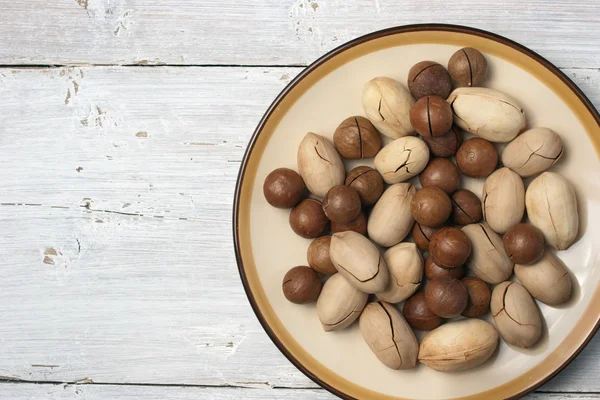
(318, 100)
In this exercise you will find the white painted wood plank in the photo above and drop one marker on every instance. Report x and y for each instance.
(27, 391)
(271, 31)
(565, 396)
(135, 298)
(129, 298)
(155, 142)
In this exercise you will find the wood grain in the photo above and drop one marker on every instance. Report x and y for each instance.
(117, 218)
(101, 392)
(115, 239)
(271, 31)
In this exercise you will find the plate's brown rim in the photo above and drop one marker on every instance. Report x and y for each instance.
(374, 35)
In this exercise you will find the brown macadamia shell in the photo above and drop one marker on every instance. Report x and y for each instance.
(356, 137)
(442, 173)
(358, 225)
(367, 182)
(524, 244)
(318, 256)
(301, 285)
(466, 207)
(450, 247)
(342, 204)
(446, 145)
(430, 206)
(284, 188)
(422, 235)
(477, 158)
(467, 67)
(446, 297)
(428, 78)
(418, 315)
(308, 220)
(479, 295)
(431, 116)
(432, 270)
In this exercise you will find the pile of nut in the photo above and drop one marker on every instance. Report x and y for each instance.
(462, 234)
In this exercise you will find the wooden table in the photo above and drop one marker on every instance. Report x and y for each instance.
(122, 128)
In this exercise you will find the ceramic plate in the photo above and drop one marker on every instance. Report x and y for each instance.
(317, 101)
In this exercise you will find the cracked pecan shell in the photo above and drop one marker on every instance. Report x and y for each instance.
(402, 159)
(405, 265)
(533, 152)
(488, 260)
(339, 303)
(389, 336)
(460, 345)
(503, 200)
(547, 280)
(487, 113)
(552, 207)
(391, 220)
(319, 164)
(516, 315)
(359, 261)
(387, 104)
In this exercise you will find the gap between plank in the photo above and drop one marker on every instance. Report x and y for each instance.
(244, 385)
(79, 65)
(88, 209)
(89, 382)
(159, 65)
